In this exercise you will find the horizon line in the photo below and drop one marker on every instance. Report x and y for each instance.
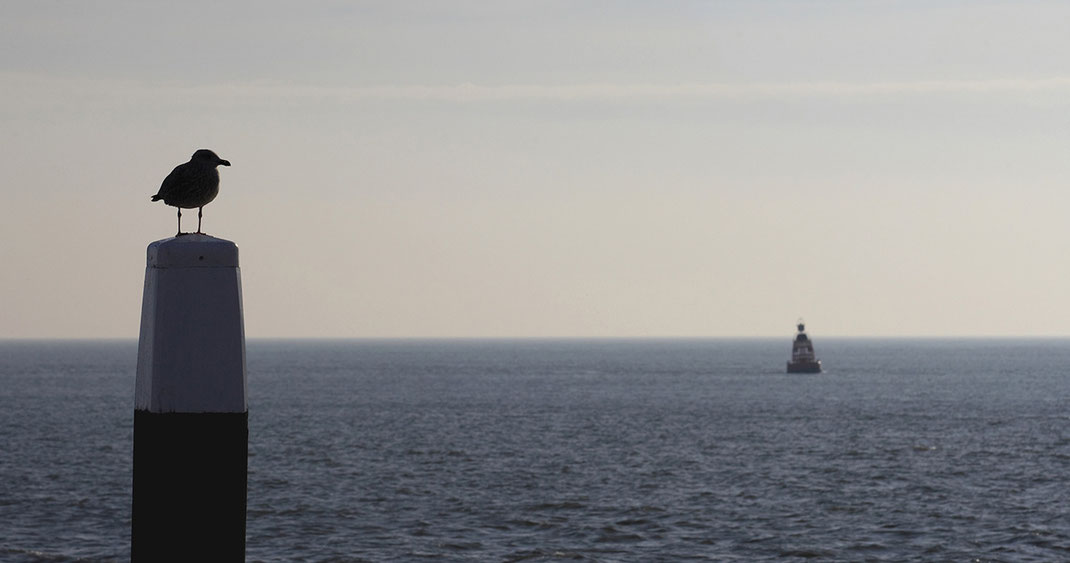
(550, 338)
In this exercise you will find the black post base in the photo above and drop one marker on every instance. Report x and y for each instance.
(190, 479)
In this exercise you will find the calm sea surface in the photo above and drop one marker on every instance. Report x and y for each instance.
(670, 450)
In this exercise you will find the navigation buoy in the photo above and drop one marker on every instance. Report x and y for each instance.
(803, 359)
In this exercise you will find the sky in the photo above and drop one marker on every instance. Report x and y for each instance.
(548, 168)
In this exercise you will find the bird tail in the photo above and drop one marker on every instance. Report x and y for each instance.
(157, 197)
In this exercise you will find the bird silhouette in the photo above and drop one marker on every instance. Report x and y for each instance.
(193, 184)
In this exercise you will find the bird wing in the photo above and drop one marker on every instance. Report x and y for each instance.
(175, 178)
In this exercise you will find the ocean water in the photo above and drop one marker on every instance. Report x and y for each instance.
(539, 450)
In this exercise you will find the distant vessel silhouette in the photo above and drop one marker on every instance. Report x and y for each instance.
(803, 359)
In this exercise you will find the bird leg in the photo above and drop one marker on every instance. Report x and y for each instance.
(200, 210)
(179, 221)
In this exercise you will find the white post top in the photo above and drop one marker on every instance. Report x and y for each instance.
(191, 353)
(193, 251)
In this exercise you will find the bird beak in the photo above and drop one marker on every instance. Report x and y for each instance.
(224, 162)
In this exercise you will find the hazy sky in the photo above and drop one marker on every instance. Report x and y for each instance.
(544, 168)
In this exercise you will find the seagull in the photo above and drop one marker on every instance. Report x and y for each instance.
(192, 184)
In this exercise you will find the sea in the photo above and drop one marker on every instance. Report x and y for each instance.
(576, 450)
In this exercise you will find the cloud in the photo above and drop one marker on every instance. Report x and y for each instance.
(470, 92)
(41, 89)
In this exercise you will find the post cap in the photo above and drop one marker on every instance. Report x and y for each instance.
(193, 251)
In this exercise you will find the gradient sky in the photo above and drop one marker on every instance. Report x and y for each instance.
(545, 168)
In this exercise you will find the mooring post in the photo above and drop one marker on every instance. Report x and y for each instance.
(191, 418)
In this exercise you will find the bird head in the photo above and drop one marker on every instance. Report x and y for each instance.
(209, 157)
